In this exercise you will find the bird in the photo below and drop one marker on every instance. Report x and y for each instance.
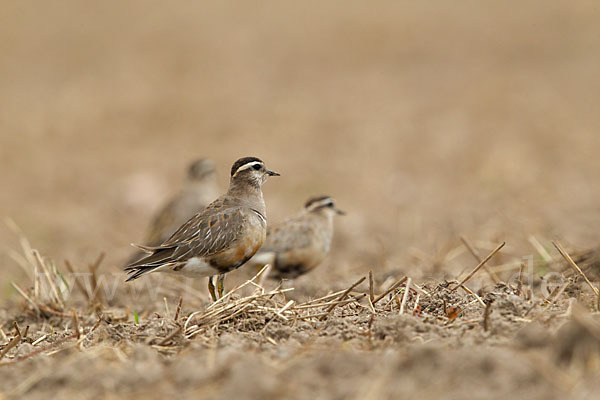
(300, 243)
(199, 190)
(220, 238)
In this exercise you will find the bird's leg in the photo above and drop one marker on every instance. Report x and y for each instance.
(221, 284)
(211, 288)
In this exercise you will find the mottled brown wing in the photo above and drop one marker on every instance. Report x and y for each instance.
(209, 232)
(291, 234)
(206, 234)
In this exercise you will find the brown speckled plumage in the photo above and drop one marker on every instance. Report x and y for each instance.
(221, 237)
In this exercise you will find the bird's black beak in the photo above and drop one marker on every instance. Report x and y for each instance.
(339, 212)
(273, 173)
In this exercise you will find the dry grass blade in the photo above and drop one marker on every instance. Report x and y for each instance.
(22, 293)
(477, 257)
(46, 296)
(178, 310)
(51, 279)
(416, 307)
(371, 306)
(265, 275)
(15, 341)
(320, 316)
(306, 306)
(391, 288)
(371, 288)
(17, 330)
(26, 260)
(572, 263)
(343, 296)
(469, 291)
(97, 294)
(326, 298)
(77, 280)
(486, 316)
(540, 249)
(285, 308)
(76, 324)
(170, 336)
(481, 264)
(39, 340)
(97, 324)
(167, 312)
(405, 296)
(21, 262)
(520, 282)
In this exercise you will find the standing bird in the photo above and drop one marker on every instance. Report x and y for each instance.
(299, 244)
(219, 239)
(199, 190)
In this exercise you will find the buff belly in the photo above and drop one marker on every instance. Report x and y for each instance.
(242, 251)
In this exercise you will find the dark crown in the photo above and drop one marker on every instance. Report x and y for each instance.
(243, 161)
(314, 200)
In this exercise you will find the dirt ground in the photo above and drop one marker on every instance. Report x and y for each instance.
(427, 121)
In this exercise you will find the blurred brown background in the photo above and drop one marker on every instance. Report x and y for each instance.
(426, 120)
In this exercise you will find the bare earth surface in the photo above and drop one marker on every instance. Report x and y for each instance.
(427, 121)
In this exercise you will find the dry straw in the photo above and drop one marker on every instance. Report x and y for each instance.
(481, 264)
(264, 305)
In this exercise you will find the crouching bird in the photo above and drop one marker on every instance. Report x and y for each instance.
(199, 190)
(220, 238)
(300, 243)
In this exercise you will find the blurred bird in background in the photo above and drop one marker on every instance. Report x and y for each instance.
(199, 190)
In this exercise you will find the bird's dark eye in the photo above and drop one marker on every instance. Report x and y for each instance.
(256, 166)
(329, 204)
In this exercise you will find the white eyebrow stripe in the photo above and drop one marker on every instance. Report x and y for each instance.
(320, 203)
(248, 165)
